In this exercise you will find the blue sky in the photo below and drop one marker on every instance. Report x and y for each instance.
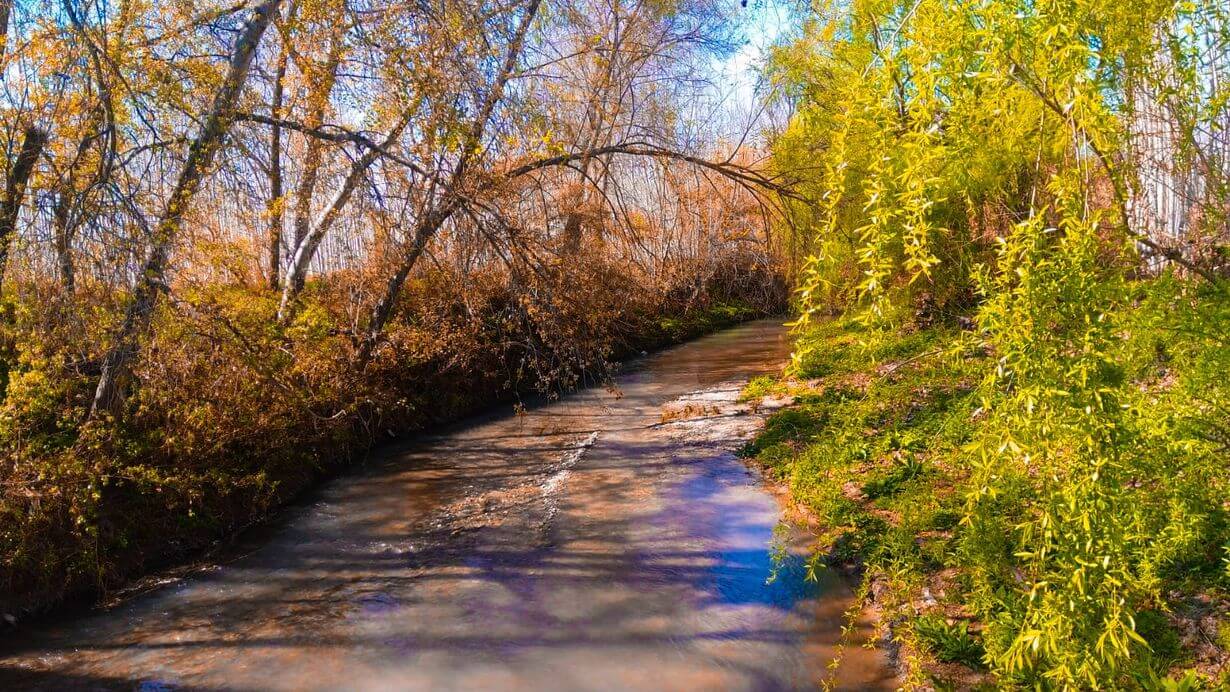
(762, 23)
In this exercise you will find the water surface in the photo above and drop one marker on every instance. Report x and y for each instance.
(592, 543)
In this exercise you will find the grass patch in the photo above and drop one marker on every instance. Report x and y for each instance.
(711, 318)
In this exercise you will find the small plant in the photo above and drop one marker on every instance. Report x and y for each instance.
(759, 387)
(1189, 681)
(906, 469)
(951, 643)
(1223, 635)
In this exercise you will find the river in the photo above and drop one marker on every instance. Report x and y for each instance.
(608, 540)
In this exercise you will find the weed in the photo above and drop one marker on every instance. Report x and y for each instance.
(951, 643)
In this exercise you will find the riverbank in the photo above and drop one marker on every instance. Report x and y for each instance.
(881, 447)
(242, 415)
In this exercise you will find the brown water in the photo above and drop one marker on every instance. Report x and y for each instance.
(606, 541)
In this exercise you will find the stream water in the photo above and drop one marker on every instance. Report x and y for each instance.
(609, 540)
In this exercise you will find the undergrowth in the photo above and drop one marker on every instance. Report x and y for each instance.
(885, 444)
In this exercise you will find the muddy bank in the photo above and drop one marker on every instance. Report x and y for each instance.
(608, 540)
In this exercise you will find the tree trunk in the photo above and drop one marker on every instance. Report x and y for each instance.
(296, 275)
(435, 218)
(323, 78)
(64, 236)
(383, 309)
(275, 178)
(15, 189)
(6, 11)
(596, 115)
(63, 221)
(150, 281)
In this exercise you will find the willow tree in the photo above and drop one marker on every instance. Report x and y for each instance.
(1000, 158)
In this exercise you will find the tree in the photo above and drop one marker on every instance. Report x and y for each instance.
(32, 143)
(151, 279)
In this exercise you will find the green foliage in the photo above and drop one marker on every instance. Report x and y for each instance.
(951, 643)
(912, 472)
(972, 163)
(1165, 646)
(692, 323)
(906, 468)
(1187, 681)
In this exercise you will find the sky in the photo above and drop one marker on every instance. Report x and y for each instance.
(736, 77)
(764, 22)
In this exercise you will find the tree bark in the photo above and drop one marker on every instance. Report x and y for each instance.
(276, 192)
(6, 12)
(296, 275)
(32, 145)
(62, 218)
(117, 364)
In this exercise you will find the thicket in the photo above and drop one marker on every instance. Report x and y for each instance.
(1019, 214)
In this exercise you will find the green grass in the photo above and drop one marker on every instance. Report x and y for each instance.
(694, 323)
(857, 446)
(1165, 647)
(868, 446)
(886, 439)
